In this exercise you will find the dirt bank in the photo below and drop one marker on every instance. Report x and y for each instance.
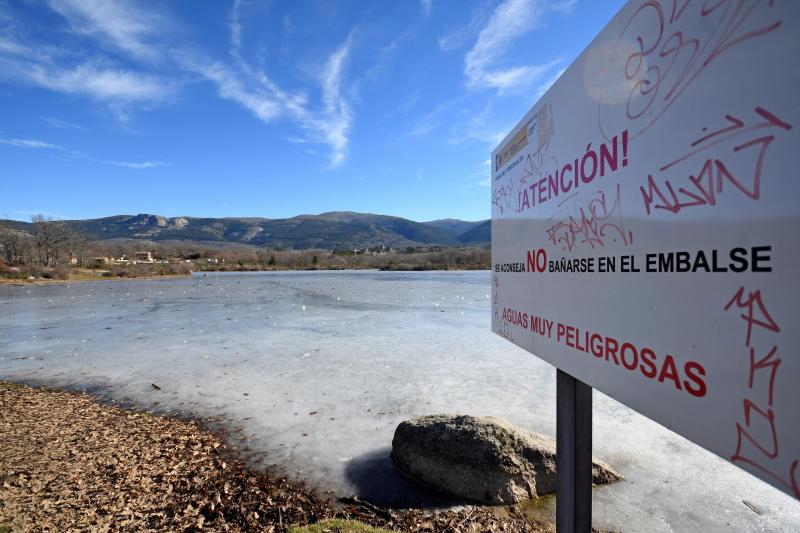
(69, 462)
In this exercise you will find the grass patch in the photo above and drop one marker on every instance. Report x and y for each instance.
(335, 526)
(79, 275)
(5, 529)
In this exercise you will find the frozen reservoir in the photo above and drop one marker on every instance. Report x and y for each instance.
(316, 369)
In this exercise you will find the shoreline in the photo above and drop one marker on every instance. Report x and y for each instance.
(68, 459)
(13, 282)
(83, 279)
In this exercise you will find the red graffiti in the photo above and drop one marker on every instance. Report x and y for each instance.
(714, 174)
(660, 56)
(595, 224)
(764, 362)
(757, 442)
(769, 415)
(755, 306)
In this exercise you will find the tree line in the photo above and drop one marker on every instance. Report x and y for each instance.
(53, 244)
(53, 248)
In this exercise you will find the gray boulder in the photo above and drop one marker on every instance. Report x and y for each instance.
(482, 459)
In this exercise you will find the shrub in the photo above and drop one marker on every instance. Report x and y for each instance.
(61, 272)
(12, 272)
(181, 268)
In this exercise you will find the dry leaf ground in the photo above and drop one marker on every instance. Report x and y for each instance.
(70, 463)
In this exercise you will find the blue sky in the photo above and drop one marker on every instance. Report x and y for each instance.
(272, 109)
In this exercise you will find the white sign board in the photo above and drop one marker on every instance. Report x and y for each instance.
(644, 219)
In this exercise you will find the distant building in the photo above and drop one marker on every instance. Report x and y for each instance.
(143, 257)
(100, 261)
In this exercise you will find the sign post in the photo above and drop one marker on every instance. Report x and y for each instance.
(645, 222)
(573, 455)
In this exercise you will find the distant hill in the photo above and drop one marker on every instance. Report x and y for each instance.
(478, 235)
(334, 230)
(454, 225)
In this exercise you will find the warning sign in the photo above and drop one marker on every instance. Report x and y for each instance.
(645, 224)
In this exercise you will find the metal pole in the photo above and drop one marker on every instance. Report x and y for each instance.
(573, 455)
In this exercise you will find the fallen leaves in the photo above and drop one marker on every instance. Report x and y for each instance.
(69, 463)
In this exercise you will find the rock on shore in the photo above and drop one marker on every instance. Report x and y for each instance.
(482, 459)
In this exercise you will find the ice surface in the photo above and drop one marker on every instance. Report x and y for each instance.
(362, 351)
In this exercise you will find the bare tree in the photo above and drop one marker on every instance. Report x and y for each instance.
(77, 246)
(14, 244)
(50, 238)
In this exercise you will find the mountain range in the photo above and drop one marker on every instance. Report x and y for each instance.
(333, 230)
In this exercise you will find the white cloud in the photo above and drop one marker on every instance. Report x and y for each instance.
(336, 126)
(563, 6)
(119, 23)
(480, 127)
(29, 143)
(406, 105)
(235, 29)
(458, 37)
(452, 41)
(152, 70)
(135, 165)
(67, 68)
(511, 20)
(110, 85)
(426, 7)
(63, 124)
(74, 154)
(258, 94)
(431, 121)
(260, 101)
(255, 91)
(57, 70)
(14, 48)
(394, 43)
